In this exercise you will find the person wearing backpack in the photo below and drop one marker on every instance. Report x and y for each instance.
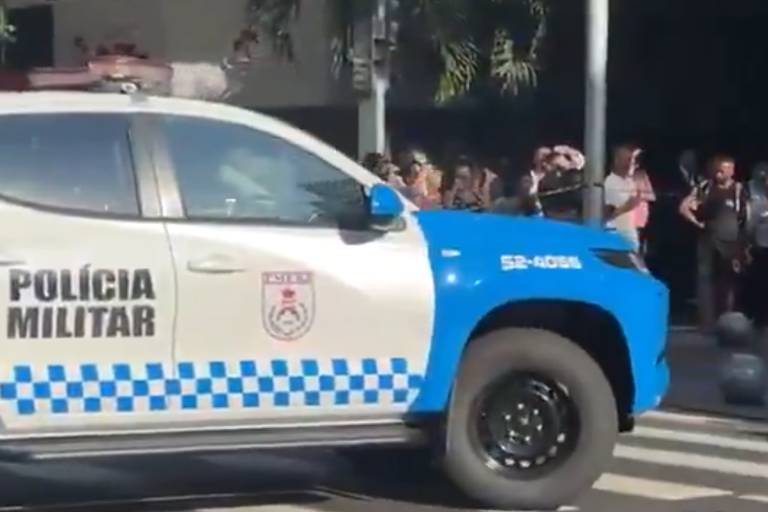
(718, 207)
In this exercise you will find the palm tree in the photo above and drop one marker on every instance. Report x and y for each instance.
(469, 43)
(7, 33)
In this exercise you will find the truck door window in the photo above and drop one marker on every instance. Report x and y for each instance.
(72, 162)
(232, 172)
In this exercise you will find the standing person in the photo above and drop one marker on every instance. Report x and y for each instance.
(423, 175)
(622, 196)
(373, 162)
(413, 187)
(488, 184)
(539, 169)
(648, 195)
(560, 191)
(460, 192)
(471, 187)
(718, 208)
(522, 202)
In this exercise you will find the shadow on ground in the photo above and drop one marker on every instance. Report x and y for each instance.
(316, 480)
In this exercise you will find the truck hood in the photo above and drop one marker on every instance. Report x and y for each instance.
(447, 229)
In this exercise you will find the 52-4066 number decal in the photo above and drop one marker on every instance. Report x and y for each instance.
(546, 262)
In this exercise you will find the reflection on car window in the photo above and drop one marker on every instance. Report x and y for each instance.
(229, 171)
(79, 162)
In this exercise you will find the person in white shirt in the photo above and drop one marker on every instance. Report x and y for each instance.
(539, 169)
(622, 196)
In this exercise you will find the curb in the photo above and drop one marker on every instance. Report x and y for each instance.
(690, 339)
(682, 328)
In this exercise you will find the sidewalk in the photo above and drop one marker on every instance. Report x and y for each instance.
(695, 364)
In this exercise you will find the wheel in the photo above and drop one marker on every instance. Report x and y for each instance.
(532, 421)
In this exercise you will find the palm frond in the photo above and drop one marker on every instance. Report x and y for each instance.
(468, 40)
(7, 30)
(461, 62)
(540, 12)
(507, 68)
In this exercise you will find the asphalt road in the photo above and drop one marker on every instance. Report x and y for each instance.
(674, 463)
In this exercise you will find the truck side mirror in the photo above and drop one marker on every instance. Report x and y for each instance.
(384, 203)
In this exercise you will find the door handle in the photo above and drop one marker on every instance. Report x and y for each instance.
(215, 265)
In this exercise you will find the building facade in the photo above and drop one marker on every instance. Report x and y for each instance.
(191, 31)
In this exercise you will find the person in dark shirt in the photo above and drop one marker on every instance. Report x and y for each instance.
(757, 230)
(718, 208)
(522, 203)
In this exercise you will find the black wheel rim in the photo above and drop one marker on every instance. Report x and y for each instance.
(524, 425)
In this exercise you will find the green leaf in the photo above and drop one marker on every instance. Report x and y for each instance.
(460, 68)
(467, 42)
(509, 70)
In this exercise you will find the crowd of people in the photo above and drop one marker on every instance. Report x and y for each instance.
(469, 185)
(551, 187)
(730, 217)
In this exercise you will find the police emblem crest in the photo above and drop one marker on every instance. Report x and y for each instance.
(288, 304)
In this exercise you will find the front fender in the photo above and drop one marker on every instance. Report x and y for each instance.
(470, 286)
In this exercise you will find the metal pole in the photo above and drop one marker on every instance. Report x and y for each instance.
(372, 110)
(596, 101)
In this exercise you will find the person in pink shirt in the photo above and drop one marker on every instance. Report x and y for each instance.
(642, 213)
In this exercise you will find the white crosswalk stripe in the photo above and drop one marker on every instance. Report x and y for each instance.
(704, 420)
(706, 455)
(654, 489)
(755, 497)
(692, 461)
(701, 439)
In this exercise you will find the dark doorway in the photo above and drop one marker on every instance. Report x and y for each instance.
(34, 38)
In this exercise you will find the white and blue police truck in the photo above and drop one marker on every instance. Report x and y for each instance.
(182, 276)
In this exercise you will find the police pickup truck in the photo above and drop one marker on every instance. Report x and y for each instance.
(181, 276)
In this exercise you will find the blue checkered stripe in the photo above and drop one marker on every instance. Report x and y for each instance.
(154, 387)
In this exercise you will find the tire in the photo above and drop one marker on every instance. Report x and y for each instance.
(486, 363)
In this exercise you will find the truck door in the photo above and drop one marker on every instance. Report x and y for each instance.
(86, 285)
(289, 306)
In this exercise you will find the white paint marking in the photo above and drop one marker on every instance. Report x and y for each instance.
(567, 508)
(260, 508)
(654, 489)
(702, 439)
(754, 497)
(702, 420)
(693, 461)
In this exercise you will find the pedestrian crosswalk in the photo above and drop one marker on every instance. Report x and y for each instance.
(678, 457)
(670, 463)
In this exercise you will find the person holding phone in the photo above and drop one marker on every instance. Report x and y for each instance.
(622, 196)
